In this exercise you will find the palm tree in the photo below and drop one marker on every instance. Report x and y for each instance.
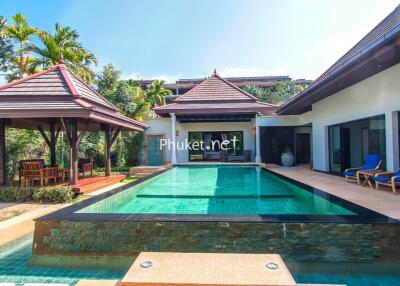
(156, 93)
(64, 43)
(6, 48)
(21, 33)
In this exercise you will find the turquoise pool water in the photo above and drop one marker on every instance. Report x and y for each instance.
(14, 268)
(217, 190)
(350, 274)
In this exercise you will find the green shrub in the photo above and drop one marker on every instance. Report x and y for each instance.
(8, 194)
(49, 194)
(15, 194)
(24, 194)
(53, 194)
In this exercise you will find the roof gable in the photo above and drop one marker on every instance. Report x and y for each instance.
(54, 82)
(215, 88)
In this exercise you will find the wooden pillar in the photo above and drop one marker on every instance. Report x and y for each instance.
(107, 151)
(110, 135)
(74, 172)
(53, 142)
(71, 129)
(3, 171)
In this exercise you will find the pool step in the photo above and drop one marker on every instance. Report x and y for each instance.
(211, 197)
(92, 184)
(171, 268)
(144, 171)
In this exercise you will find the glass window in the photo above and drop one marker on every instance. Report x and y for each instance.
(350, 142)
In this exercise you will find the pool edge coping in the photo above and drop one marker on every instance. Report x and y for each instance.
(363, 214)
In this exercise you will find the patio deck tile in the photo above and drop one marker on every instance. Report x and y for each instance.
(384, 201)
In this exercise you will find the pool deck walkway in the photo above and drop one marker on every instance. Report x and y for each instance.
(384, 201)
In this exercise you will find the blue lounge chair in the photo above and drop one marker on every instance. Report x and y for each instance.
(389, 179)
(372, 162)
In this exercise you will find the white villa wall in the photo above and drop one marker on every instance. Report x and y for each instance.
(163, 126)
(379, 94)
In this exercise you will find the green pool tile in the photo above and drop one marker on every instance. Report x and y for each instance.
(14, 268)
(227, 190)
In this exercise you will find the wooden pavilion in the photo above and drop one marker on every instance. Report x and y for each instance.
(56, 100)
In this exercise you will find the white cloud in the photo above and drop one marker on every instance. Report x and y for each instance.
(251, 71)
(165, 77)
(135, 76)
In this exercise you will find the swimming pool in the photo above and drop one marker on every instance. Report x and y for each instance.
(217, 190)
(15, 256)
(15, 268)
(216, 208)
(350, 274)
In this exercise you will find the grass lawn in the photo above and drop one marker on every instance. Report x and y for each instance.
(129, 180)
(10, 214)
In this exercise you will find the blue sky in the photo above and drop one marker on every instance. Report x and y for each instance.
(182, 39)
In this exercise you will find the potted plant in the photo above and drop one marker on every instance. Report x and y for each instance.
(287, 157)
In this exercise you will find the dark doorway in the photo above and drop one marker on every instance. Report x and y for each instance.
(274, 140)
(303, 155)
(345, 142)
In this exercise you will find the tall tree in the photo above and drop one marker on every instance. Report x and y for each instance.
(64, 42)
(6, 48)
(278, 94)
(20, 32)
(156, 93)
(107, 79)
(130, 99)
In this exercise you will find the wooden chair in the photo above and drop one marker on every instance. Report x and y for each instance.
(86, 165)
(389, 179)
(34, 170)
(21, 167)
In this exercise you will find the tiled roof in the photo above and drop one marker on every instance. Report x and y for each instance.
(215, 88)
(57, 92)
(215, 94)
(218, 107)
(50, 83)
(56, 81)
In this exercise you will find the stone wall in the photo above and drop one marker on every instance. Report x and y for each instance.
(310, 242)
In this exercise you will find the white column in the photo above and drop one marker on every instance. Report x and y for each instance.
(258, 144)
(173, 137)
(392, 141)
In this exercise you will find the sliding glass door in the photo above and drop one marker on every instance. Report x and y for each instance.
(211, 142)
(350, 142)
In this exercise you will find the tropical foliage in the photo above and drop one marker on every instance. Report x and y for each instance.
(34, 50)
(278, 94)
(6, 48)
(63, 43)
(20, 33)
(156, 93)
(25, 49)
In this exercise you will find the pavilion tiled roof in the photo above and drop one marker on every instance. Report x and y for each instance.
(216, 95)
(57, 92)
